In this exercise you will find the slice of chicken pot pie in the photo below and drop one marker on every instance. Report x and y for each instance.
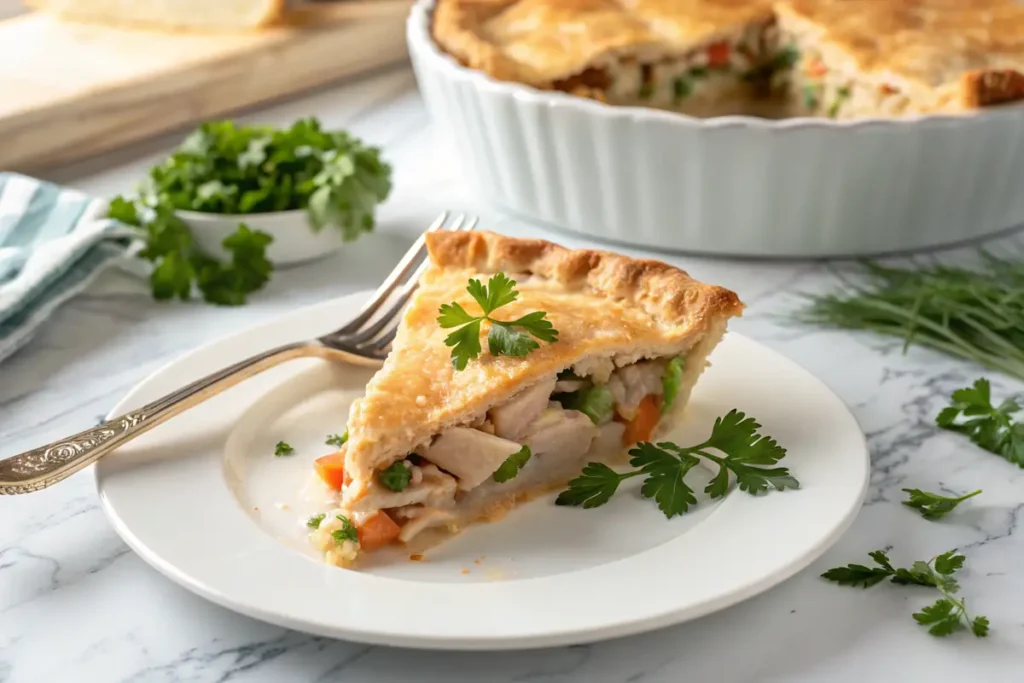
(516, 362)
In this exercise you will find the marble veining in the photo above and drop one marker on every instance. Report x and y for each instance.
(76, 604)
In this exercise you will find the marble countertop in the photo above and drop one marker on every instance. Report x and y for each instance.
(76, 604)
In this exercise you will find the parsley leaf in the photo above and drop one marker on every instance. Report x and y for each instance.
(396, 476)
(932, 505)
(347, 532)
(665, 481)
(283, 449)
(509, 469)
(594, 487)
(666, 465)
(506, 337)
(314, 521)
(335, 440)
(971, 413)
(946, 615)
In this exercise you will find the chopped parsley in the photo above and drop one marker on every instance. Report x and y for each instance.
(283, 448)
(681, 88)
(506, 337)
(747, 454)
(396, 476)
(347, 532)
(646, 91)
(842, 94)
(513, 463)
(336, 440)
(314, 521)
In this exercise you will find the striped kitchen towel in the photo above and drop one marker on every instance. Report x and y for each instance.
(53, 241)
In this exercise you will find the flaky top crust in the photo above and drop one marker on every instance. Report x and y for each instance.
(541, 42)
(976, 46)
(602, 304)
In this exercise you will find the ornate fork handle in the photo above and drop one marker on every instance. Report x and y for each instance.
(42, 467)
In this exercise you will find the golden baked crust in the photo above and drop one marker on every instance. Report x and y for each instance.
(602, 304)
(530, 41)
(933, 55)
(960, 54)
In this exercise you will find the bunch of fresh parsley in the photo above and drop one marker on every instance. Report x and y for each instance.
(946, 615)
(506, 337)
(992, 428)
(225, 168)
(230, 169)
(747, 454)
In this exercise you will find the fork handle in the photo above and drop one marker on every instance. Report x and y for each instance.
(45, 466)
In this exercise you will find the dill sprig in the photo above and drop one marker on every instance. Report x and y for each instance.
(973, 313)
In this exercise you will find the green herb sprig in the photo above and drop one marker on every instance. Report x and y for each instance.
(180, 265)
(971, 413)
(946, 615)
(665, 466)
(975, 314)
(283, 448)
(932, 505)
(506, 337)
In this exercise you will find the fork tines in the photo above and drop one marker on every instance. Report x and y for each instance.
(370, 337)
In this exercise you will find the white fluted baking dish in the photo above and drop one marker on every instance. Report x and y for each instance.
(731, 185)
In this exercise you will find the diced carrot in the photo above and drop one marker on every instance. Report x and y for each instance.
(643, 423)
(376, 530)
(718, 53)
(331, 468)
(815, 68)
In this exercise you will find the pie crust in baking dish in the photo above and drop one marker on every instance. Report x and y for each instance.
(836, 58)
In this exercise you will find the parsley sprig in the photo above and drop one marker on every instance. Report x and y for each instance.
(746, 454)
(283, 448)
(181, 265)
(993, 428)
(506, 337)
(945, 615)
(932, 505)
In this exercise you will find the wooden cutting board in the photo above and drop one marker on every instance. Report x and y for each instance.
(69, 90)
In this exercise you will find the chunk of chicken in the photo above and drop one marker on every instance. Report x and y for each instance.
(512, 419)
(435, 488)
(561, 433)
(631, 383)
(425, 518)
(471, 455)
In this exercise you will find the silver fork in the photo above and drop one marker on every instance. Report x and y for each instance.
(365, 340)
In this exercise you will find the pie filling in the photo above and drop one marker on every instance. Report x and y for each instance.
(720, 72)
(830, 92)
(537, 440)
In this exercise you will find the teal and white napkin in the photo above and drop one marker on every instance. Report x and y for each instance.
(53, 242)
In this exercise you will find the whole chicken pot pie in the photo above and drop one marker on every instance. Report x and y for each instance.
(837, 58)
(516, 362)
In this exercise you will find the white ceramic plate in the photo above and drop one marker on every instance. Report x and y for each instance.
(203, 499)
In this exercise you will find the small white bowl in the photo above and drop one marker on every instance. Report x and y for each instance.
(295, 240)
